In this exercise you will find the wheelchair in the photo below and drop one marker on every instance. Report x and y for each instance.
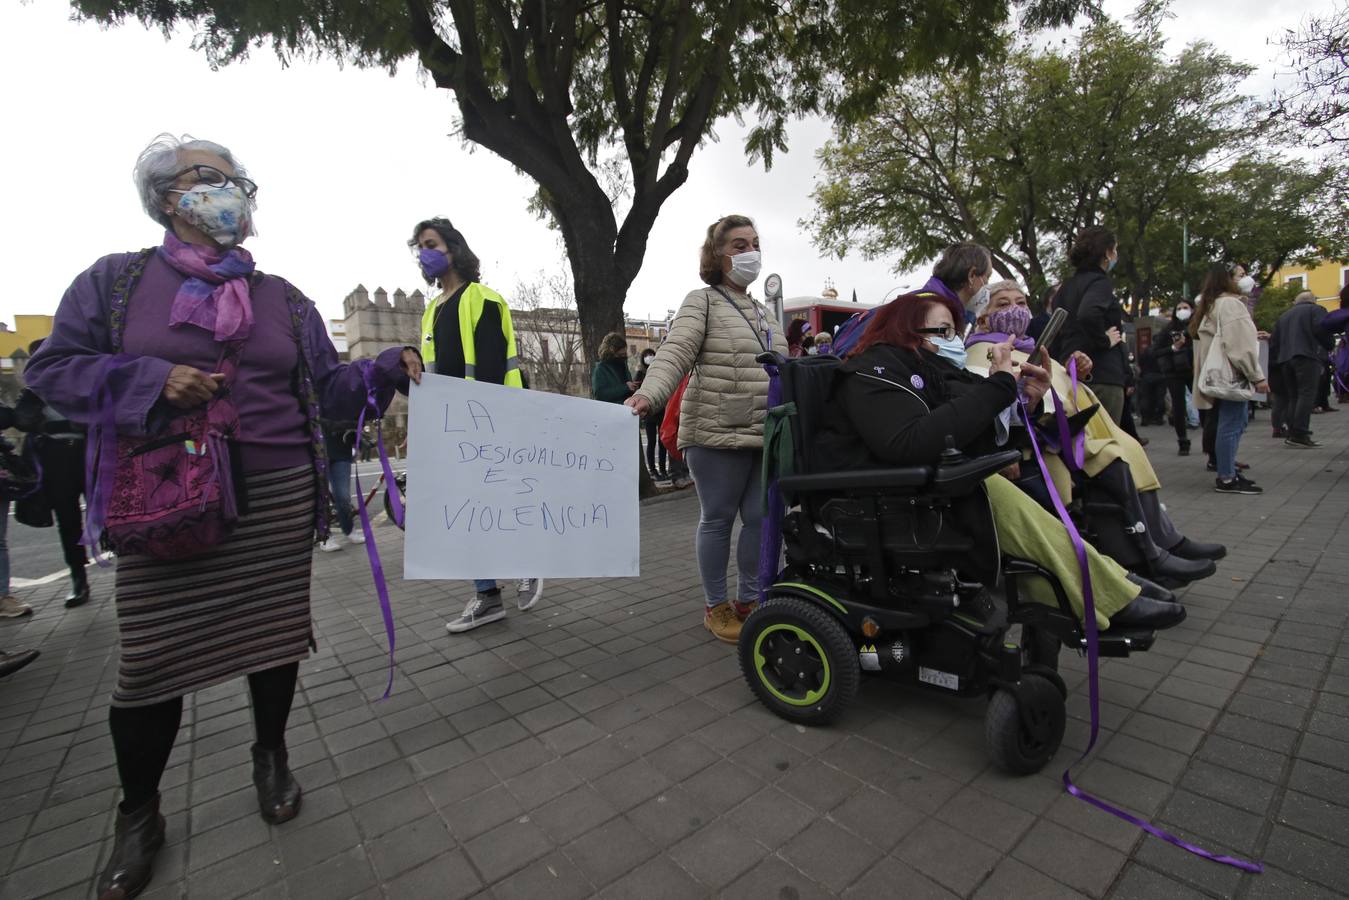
(884, 578)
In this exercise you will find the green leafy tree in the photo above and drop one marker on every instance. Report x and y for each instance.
(1042, 142)
(563, 88)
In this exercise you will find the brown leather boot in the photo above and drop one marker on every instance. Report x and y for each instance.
(139, 835)
(278, 792)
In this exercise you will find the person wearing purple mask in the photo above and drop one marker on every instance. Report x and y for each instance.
(1110, 455)
(467, 333)
(141, 340)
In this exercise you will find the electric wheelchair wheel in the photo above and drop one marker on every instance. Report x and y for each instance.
(798, 660)
(1016, 746)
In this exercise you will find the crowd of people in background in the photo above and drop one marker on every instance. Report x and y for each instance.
(189, 334)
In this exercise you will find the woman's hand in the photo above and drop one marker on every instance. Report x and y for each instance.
(1261, 335)
(1012, 472)
(1000, 357)
(1114, 336)
(639, 405)
(187, 387)
(411, 363)
(1261, 387)
(1035, 379)
(634, 385)
(1083, 364)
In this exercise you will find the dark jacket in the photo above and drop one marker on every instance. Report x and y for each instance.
(1173, 361)
(896, 407)
(609, 380)
(1298, 333)
(1092, 310)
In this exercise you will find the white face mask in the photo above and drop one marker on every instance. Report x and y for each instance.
(745, 267)
(979, 301)
(1184, 314)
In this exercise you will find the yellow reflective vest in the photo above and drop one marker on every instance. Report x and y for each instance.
(471, 304)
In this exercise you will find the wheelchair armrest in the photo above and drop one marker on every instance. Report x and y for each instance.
(962, 477)
(860, 479)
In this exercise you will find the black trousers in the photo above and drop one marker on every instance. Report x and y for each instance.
(1175, 389)
(653, 445)
(62, 461)
(1302, 374)
(1151, 396)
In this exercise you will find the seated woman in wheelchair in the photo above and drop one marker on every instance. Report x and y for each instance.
(1114, 462)
(905, 391)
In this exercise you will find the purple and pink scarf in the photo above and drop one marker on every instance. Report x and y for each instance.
(215, 295)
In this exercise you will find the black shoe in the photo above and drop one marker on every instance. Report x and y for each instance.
(1144, 612)
(138, 837)
(1301, 442)
(1237, 485)
(79, 589)
(1184, 449)
(1151, 589)
(13, 661)
(278, 792)
(1278, 433)
(1188, 549)
(1176, 571)
(1211, 465)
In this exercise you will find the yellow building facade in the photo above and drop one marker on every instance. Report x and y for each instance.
(1323, 279)
(26, 330)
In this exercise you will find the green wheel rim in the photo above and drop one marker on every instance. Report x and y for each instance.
(781, 638)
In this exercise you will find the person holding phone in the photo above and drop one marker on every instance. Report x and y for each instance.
(1095, 318)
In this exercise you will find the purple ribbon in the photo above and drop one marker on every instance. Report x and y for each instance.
(770, 537)
(100, 460)
(376, 567)
(1072, 448)
(1093, 663)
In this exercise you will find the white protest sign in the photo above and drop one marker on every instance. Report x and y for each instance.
(507, 483)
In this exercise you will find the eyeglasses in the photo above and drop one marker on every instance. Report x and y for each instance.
(213, 177)
(945, 332)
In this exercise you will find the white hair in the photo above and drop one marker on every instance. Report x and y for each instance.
(1006, 284)
(158, 166)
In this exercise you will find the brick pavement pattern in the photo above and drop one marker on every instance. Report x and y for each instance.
(604, 744)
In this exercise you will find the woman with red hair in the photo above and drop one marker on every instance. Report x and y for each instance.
(904, 393)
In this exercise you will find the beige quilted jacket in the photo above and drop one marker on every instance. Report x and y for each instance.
(725, 401)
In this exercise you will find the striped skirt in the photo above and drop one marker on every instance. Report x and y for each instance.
(241, 607)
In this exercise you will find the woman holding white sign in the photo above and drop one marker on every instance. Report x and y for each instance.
(717, 333)
(467, 333)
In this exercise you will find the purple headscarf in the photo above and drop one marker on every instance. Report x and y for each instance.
(215, 295)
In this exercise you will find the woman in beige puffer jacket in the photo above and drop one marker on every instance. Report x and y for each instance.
(717, 333)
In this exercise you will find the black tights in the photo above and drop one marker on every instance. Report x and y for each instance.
(143, 736)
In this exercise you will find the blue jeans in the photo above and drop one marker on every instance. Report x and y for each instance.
(4, 548)
(339, 481)
(484, 584)
(1231, 425)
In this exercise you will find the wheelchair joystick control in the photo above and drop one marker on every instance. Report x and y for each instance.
(950, 455)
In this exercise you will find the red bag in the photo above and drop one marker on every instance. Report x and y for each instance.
(669, 426)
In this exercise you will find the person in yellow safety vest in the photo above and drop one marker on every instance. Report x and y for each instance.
(467, 333)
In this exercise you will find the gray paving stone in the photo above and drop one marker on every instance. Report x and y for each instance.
(1070, 858)
(448, 876)
(606, 852)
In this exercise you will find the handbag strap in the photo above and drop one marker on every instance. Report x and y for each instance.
(758, 333)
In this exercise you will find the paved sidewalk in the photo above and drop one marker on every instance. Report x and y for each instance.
(605, 744)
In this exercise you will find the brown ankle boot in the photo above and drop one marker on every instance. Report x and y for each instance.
(278, 792)
(139, 835)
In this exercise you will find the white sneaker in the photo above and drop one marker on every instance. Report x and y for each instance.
(357, 536)
(330, 545)
(529, 590)
(12, 608)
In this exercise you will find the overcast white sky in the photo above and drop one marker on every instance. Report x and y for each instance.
(349, 160)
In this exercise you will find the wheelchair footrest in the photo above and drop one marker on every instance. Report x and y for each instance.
(1121, 642)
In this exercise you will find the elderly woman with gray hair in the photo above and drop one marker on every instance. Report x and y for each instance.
(141, 339)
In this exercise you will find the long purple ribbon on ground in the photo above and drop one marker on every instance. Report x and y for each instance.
(1093, 681)
(376, 568)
